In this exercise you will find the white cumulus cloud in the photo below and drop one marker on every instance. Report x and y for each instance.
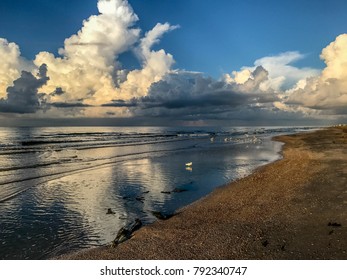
(155, 64)
(282, 75)
(87, 79)
(11, 65)
(87, 66)
(329, 90)
(88, 71)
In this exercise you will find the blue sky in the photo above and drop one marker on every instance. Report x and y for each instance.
(215, 36)
(212, 37)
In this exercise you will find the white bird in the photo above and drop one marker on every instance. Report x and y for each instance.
(189, 164)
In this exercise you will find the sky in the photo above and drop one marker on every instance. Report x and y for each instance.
(173, 62)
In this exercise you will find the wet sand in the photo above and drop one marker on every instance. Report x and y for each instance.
(294, 208)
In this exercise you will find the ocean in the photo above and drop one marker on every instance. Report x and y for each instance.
(57, 184)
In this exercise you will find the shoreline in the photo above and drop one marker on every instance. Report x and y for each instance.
(293, 208)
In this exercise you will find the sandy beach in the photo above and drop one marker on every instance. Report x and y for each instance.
(294, 208)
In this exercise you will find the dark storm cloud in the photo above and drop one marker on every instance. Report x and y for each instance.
(23, 96)
(221, 98)
(58, 92)
(340, 111)
(122, 103)
(68, 105)
(186, 94)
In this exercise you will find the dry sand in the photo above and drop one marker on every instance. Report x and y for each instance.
(290, 209)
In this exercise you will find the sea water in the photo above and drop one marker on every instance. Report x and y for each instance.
(58, 183)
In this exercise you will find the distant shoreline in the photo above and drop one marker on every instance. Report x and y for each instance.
(294, 208)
